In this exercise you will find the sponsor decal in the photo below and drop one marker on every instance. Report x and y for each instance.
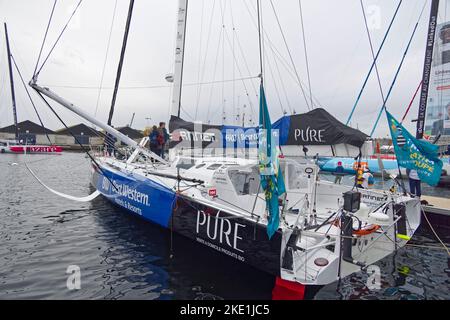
(225, 231)
(125, 191)
(309, 135)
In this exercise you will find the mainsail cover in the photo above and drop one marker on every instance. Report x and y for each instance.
(315, 128)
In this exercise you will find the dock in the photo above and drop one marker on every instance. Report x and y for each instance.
(438, 211)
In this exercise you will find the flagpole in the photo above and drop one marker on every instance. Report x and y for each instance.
(260, 41)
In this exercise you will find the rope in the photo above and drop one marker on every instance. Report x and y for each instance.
(412, 101)
(106, 59)
(76, 140)
(306, 53)
(371, 49)
(289, 53)
(434, 231)
(398, 71)
(373, 64)
(57, 40)
(205, 57)
(63, 195)
(45, 37)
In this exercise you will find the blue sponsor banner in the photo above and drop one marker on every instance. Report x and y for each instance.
(140, 196)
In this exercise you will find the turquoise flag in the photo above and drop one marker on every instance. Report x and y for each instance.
(415, 154)
(272, 181)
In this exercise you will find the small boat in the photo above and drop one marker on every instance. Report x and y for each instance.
(15, 146)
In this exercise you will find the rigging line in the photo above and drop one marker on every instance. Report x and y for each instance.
(57, 40)
(45, 37)
(149, 87)
(106, 58)
(200, 56)
(31, 100)
(412, 101)
(371, 48)
(289, 52)
(122, 56)
(248, 70)
(234, 63)
(284, 62)
(240, 73)
(306, 53)
(223, 6)
(398, 71)
(214, 74)
(261, 49)
(283, 111)
(282, 82)
(76, 140)
(373, 63)
(205, 57)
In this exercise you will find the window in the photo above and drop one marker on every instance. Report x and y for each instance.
(297, 178)
(245, 183)
(201, 165)
(214, 166)
(185, 164)
(82, 139)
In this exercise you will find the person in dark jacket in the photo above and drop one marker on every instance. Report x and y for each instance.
(339, 173)
(110, 142)
(165, 137)
(154, 138)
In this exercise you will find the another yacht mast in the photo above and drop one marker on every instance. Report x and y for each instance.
(11, 79)
(179, 57)
(427, 69)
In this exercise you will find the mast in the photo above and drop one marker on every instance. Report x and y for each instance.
(179, 56)
(427, 69)
(11, 79)
(122, 56)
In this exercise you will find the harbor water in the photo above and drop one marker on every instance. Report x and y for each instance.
(119, 256)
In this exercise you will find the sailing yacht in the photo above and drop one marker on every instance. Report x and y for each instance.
(16, 145)
(326, 231)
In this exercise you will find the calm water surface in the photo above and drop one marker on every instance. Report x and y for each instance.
(122, 257)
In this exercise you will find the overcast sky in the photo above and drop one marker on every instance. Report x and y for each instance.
(338, 50)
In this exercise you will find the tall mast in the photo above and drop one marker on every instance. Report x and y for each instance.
(11, 79)
(122, 56)
(427, 69)
(179, 56)
(261, 48)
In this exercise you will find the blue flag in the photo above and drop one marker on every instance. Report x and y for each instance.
(272, 181)
(415, 154)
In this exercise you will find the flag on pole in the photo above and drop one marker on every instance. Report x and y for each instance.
(415, 154)
(272, 181)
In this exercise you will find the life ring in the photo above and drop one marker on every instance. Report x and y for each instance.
(362, 232)
(366, 231)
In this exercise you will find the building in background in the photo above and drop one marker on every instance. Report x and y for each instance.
(29, 133)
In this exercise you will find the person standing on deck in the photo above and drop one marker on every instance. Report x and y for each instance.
(367, 179)
(165, 136)
(414, 183)
(359, 177)
(339, 173)
(154, 141)
(110, 142)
